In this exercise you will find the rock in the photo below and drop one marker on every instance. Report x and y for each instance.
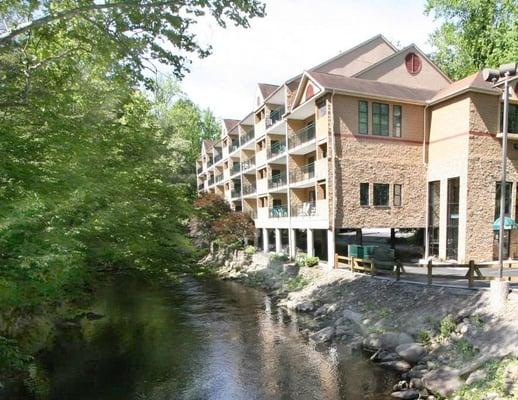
(444, 381)
(356, 321)
(476, 376)
(409, 394)
(399, 365)
(323, 335)
(388, 340)
(416, 383)
(411, 352)
(386, 356)
(305, 306)
(341, 330)
(491, 395)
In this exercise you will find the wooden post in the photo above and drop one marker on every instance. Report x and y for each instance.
(429, 266)
(336, 260)
(398, 271)
(471, 273)
(373, 268)
(352, 264)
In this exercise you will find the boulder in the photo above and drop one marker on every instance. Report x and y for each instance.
(416, 383)
(323, 335)
(341, 330)
(409, 394)
(476, 376)
(399, 365)
(356, 320)
(444, 381)
(411, 352)
(388, 340)
(305, 306)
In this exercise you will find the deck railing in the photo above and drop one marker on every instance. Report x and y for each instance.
(302, 136)
(277, 180)
(217, 158)
(235, 193)
(211, 180)
(233, 147)
(276, 115)
(218, 178)
(308, 209)
(278, 212)
(247, 164)
(249, 188)
(236, 168)
(306, 172)
(276, 149)
(247, 137)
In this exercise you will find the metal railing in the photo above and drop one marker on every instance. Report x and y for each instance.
(248, 136)
(249, 188)
(302, 136)
(236, 168)
(304, 173)
(218, 178)
(278, 211)
(211, 180)
(275, 116)
(247, 164)
(276, 149)
(235, 193)
(199, 169)
(277, 180)
(210, 162)
(217, 158)
(308, 209)
(233, 147)
(200, 186)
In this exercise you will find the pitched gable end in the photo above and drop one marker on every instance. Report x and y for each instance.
(307, 89)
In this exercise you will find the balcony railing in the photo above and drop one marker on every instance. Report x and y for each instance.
(233, 147)
(236, 168)
(304, 173)
(247, 164)
(211, 180)
(249, 188)
(277, 180)
(302, 136)
(235, 193)
(218, 178)
(210, 162)
(275, 116)
(308, 209)
(200, 186)
(248, 136)
(217, 158)
(278, 212)
(276, 149)
(252, 213)
(199, 169)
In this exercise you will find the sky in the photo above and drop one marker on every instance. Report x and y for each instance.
(294, 36)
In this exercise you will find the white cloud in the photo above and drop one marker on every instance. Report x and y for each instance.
(295, 35)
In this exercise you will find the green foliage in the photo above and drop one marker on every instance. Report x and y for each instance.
(312, 261)
(447, 326)
(424, 337)
(474, 34)
(250, 250)
(12, 359)
(283, 257)
(303, 260)
(465, 349)
(297, 283)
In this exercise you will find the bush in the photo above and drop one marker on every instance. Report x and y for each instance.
(312, 261)
(279, 257)
(297, 283)
(250, 250)
(304, 260)
(447, 326)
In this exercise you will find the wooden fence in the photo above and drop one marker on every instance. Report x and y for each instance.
(473, 270)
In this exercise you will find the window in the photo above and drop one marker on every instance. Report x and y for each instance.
(309, 91)
(364, 194)
(380, 119)
(512, 120)
(508, 191)
(363, 117)
(397, 195)
(322, 109)
(452, 221)
(396, 122)
(413, 63)
(434, 199)
(381, 194)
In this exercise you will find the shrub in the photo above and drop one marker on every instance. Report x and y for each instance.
(300, 261)
(297, 283)
(280, 257)
(447, 326)
(249, 250)
(424, 337)
(312, 261)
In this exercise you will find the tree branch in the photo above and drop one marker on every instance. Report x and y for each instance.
(47, 19)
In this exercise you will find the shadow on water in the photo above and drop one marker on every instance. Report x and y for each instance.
(200, 340)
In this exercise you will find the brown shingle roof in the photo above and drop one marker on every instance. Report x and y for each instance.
(267, 89)
(473, 81)
(230, 123)
(208, 144)
(369, 87)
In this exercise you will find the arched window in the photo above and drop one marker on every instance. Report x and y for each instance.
(413, 63)
(309, 91)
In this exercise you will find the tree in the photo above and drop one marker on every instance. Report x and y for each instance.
(474, 34)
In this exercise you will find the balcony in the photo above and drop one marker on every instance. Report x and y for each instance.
(275, 116)
(198, 170)
(276, 149)
(200, 186)
(217, 158)
(233, 147)
(235, 193)
(302, 136)
(249, 188)
(247, 164)
(251, 213)
(262, 185)
(211, 180)
(277, 181)
(210, 162)
(305, 173)
(236, 168)
(311, 209)
(278, 212)
(218, 178)
(247, 137)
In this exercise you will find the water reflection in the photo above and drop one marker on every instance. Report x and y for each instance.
(201, 340)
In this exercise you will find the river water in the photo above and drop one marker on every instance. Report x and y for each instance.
(205, 339)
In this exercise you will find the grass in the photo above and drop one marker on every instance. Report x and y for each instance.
(297, 283)
(465, 349)
(494, 383)
(447, 326)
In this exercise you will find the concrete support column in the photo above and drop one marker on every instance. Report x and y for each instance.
(292, 243)
(311, 244)
(278, 244)
(265, 240)
(331, 249)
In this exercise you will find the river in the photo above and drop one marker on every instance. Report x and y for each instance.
(200, 339)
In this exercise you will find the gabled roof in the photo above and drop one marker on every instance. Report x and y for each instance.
(267, 89)
(230, 124)
(357, 86)
(207, 145)
(472, 82)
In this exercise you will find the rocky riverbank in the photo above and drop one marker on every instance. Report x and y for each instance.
(444, 342)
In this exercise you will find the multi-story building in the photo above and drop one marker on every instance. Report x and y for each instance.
(375, 137)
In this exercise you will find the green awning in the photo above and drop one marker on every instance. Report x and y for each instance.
(509, 224)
